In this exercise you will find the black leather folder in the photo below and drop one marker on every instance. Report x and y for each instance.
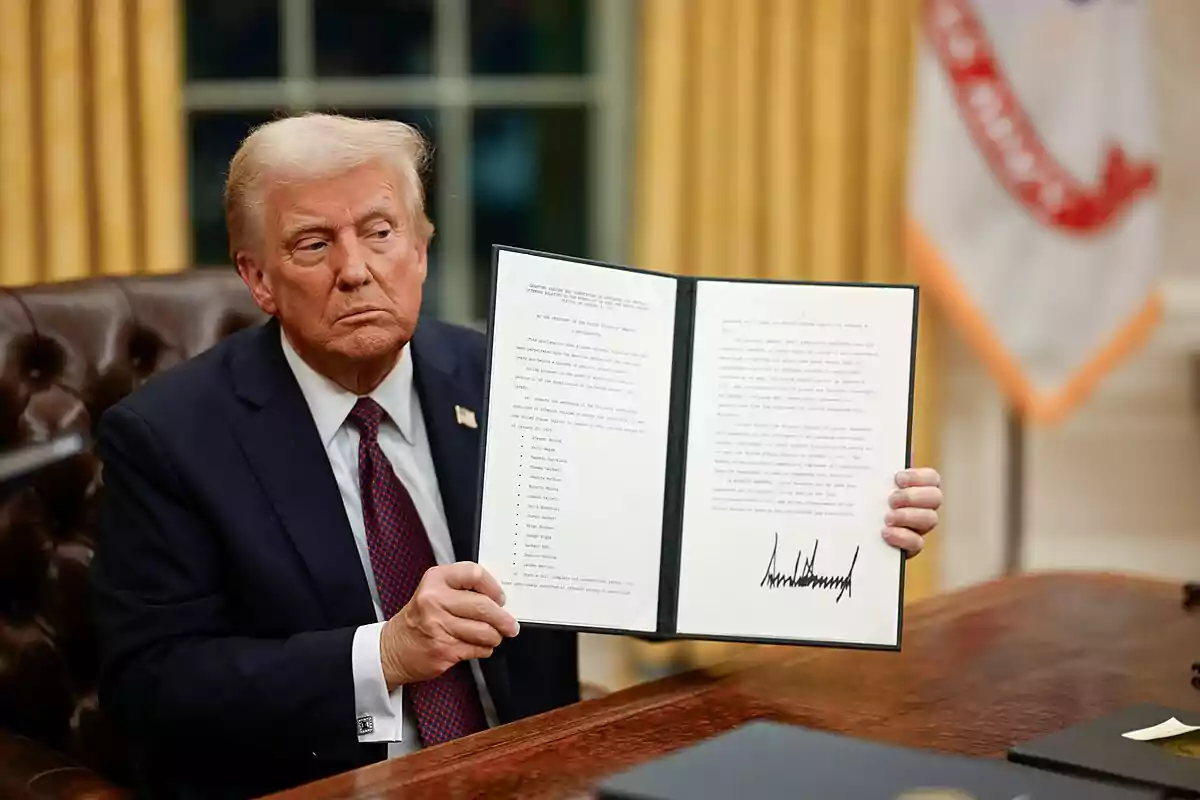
(1097, 749)
(768, 760)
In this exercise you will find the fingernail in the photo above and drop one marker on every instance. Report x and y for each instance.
(885, 534)
(517, 625)
(890, 518)
(503, 597)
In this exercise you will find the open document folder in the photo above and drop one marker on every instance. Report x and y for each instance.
(698, 458)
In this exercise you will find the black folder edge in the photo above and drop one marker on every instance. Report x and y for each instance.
(677, 438)
(1162, 791)
(672, 550)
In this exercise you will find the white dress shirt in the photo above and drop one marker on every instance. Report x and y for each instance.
(404, 442)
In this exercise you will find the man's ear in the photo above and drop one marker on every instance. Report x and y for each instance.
(256, 280)
(423, 259)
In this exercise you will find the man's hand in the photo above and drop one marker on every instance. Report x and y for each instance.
(914, 507)
(454, 615)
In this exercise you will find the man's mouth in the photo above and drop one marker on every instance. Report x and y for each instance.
(359, 315)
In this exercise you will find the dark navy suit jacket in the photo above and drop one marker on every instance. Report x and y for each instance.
(226, 583)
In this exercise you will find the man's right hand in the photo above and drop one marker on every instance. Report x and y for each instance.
(454, 615)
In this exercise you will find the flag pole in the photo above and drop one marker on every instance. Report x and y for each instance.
(1014, 500)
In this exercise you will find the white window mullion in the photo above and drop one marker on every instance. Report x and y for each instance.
(454, 202)
(612, 36)
(446, 91)
(235, 95)
(299, 56)
(415, 92)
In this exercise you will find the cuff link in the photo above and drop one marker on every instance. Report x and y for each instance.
(366, 724)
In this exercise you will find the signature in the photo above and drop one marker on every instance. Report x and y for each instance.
(806, 578)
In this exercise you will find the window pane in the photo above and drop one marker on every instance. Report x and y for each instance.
(530, 182)
(214, 138)
(517, 37)
(232, 40)
(394, 38)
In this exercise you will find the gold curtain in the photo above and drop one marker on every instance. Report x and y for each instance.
(91, 139)
(772, 142)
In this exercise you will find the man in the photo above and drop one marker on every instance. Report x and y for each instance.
(280, 584)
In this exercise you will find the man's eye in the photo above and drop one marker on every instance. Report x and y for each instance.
(311, 245)
(382, 233)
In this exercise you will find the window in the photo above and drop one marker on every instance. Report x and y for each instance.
(526, 103)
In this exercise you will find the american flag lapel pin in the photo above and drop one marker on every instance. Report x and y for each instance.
(465, 417)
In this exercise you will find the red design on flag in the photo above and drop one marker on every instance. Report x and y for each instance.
(1008, 140)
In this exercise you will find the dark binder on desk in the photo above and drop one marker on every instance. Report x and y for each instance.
(701, 458)
(1098, 749)
(773, 761)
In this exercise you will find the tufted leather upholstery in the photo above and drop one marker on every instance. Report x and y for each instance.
(68, 352)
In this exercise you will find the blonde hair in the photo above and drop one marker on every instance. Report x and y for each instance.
(319, 145)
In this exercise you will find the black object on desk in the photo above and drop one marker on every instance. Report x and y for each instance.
(1097, 749)
(768, 760)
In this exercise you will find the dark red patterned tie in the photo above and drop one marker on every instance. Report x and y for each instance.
(447, 706)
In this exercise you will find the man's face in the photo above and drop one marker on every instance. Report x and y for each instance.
(339, 264)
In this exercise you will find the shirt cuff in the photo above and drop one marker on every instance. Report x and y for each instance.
(379, 716)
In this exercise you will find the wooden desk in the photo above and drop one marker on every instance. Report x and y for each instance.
(980, 670)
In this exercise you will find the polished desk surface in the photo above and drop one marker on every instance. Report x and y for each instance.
(980, 670)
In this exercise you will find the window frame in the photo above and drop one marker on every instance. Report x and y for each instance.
(452, 92)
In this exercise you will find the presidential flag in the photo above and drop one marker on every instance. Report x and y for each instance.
(1033, 187)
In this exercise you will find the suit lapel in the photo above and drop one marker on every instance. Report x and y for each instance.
(456, 448)
(285, 451)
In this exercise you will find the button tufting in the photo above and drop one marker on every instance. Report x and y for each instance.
(68, 352)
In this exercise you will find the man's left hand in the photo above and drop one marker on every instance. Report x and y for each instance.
(913, 509)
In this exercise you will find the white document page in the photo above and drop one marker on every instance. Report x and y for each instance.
(799, 423)
(1163, 730)
(575, 459)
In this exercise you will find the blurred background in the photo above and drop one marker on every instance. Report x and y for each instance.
(718, 137)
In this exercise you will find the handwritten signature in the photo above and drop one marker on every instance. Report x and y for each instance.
(808, 578)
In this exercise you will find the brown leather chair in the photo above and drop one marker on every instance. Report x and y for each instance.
(68, 352)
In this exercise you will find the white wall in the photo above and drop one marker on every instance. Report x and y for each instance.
(1117, 486)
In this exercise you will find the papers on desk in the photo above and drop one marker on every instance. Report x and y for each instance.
(1146, 745)
(695, 457)
(1162, 730)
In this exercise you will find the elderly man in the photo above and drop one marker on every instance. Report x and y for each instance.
(280, 584)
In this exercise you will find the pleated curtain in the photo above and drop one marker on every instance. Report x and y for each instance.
(91, 139)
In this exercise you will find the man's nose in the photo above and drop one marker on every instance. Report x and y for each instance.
(352, 270)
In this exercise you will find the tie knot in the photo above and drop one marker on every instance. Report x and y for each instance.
(367, 415)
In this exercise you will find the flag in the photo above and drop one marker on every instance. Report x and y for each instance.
(1033, 194)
